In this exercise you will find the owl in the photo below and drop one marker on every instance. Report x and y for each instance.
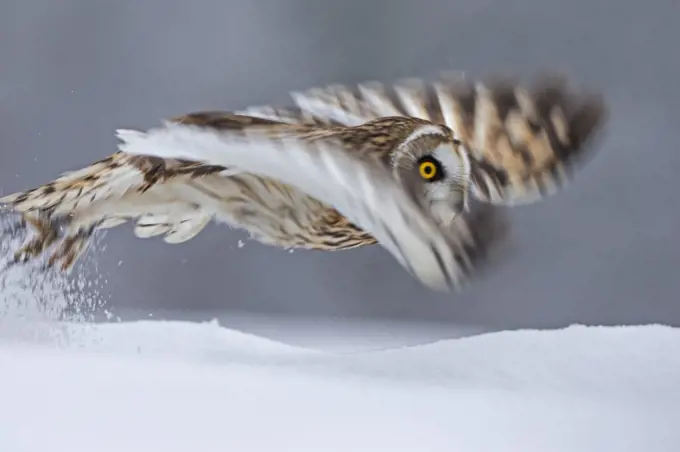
(340, 169)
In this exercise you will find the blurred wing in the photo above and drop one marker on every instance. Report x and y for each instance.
(525, 144)
(360, 186)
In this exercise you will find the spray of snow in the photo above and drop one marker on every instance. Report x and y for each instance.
(29, 292)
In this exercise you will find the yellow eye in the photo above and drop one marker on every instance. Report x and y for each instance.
(429, 169)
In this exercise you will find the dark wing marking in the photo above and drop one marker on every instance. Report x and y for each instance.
(525, 142)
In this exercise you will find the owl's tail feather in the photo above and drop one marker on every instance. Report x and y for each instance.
(66, 212)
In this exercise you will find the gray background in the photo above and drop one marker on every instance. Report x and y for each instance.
(603, 252)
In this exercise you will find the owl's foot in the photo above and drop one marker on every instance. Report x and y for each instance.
(49, 232)
(70, 249)
(46, 234)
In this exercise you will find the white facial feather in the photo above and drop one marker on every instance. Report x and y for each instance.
(449, 197)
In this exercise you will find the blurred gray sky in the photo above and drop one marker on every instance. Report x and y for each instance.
(604, 251)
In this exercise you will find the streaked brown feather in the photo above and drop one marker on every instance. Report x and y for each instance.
(525, 142)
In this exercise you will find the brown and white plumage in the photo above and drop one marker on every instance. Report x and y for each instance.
(301, 186)
(339, 170)
(525, 142)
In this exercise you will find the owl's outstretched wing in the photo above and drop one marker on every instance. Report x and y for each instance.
(160, 195)
(360, 186)
(172, 198)
(525, 143)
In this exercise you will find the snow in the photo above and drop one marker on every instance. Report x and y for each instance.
(171, 386)
(184, 386)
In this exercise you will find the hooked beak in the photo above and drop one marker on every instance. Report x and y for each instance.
(445, 212)
(461, 204)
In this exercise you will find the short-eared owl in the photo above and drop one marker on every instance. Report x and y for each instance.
(340, 170)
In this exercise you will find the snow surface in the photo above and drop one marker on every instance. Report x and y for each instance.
(181, 386)
(187, 386)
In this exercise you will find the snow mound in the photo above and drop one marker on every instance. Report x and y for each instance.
(175, 386)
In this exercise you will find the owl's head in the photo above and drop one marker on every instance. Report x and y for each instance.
(432, 154)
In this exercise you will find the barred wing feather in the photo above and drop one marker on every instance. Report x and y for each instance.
(526, 142)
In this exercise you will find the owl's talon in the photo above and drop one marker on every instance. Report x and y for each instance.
(45, 267)
(67, 262)
(23, 255)
(46, 236)
(53, 258)
(70, 248)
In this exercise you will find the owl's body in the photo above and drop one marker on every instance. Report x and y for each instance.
(337, 172)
